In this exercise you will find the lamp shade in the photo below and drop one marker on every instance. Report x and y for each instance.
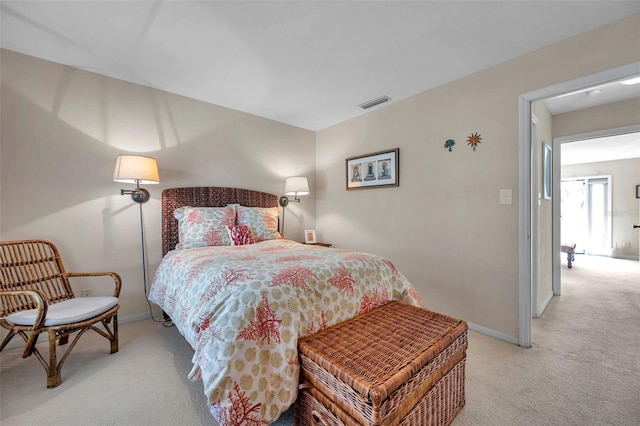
(296, 185)
(136, 169)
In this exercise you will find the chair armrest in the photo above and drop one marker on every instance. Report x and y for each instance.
(42, 306)
(116, 278)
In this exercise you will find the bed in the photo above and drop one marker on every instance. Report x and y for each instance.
(242, 306)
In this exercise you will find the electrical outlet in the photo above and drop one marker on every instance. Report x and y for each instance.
(85, 292)
(505, 196)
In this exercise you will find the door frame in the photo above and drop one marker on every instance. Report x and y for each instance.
(535, 219)
(527, 174)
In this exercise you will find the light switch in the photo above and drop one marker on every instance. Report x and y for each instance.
(505, 196)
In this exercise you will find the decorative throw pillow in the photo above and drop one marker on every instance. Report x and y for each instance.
(262, 221)
(240, 235)
(204, 226)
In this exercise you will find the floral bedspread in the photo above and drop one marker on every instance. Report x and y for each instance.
(243, 308)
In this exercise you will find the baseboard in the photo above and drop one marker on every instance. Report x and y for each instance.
(493, 333)
(17, 342)
(544, 305)
(627, 257)
(158, 313)
(609, 254)
(139, 317)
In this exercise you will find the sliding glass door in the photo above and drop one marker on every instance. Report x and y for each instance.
(586, 213)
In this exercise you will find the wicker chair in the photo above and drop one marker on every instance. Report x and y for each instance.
(36, 297)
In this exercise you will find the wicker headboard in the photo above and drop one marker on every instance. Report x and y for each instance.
(205, 196)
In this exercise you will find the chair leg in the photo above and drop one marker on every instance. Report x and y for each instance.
(114, 340)
(7, 339)
(54, 377)
(53, 368)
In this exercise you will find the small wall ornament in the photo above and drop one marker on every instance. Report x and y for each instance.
(474, 140)
(449, 144)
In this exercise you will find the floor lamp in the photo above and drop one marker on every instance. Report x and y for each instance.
(139, 170)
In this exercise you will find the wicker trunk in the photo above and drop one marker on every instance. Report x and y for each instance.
(395, 365)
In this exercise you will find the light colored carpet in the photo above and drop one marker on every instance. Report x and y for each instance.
(584, 368)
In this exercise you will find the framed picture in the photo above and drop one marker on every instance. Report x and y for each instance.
(373, 170)
(547, 177)
(637, 191)
(310, 236)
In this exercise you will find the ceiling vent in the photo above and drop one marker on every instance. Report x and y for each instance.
(373, 102)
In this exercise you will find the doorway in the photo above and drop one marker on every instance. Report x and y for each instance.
(528, 197)
(590, 158)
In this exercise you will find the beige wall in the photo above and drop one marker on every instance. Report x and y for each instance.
(625, 208)
(444, 227)
(62, 129)
(610, 116)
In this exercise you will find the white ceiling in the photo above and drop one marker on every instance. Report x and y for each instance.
(306, 63)
(592, 97)
(595, 150)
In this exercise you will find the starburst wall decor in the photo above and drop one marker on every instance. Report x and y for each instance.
(474, 140)
(449, 144)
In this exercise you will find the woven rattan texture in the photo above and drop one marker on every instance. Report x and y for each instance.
(438, 407)
(205, 196)
(400, 402)
(32, 277)
(312, 408)
(378, 365)
(442, 403)
(31, 265)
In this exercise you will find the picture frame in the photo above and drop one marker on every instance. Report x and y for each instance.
(547, 181)
(637, 191)
(310, 236)
(374, 170)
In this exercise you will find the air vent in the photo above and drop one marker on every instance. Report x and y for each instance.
(374, 102)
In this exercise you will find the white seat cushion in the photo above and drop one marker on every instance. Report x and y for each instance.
(67, 312)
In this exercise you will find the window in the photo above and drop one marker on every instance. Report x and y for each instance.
(586, 213)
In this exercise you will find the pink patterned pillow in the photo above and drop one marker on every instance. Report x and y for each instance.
(240, 235)
(204, 226)
(262, 221)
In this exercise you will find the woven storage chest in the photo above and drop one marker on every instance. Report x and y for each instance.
(397, 364)
(438, 407)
